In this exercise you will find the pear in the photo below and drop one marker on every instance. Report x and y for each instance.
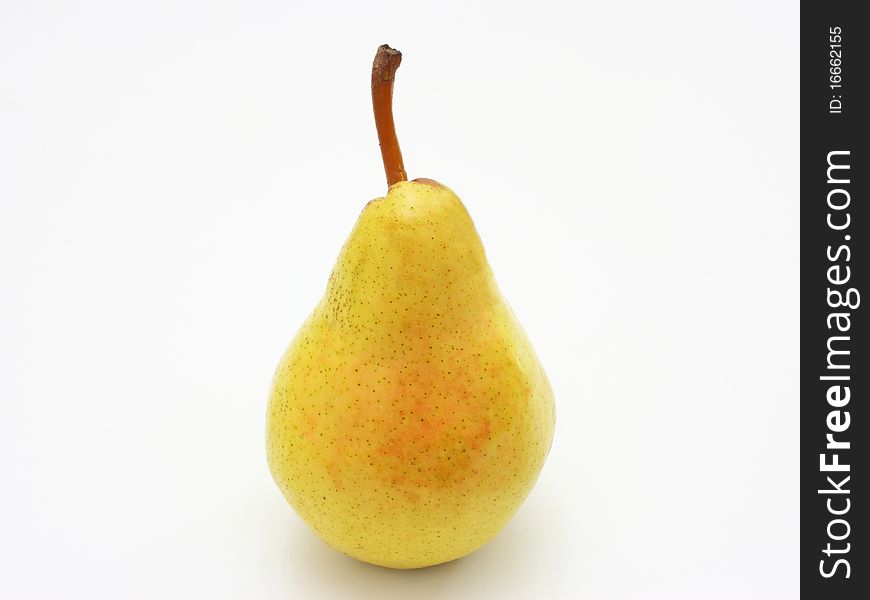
(410, 417)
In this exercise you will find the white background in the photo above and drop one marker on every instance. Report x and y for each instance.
(176, 180)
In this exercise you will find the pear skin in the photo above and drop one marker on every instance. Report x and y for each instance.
(410, 417)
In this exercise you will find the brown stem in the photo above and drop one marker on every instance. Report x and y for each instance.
(387, 60)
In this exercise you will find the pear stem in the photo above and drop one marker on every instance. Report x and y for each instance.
(387, 60)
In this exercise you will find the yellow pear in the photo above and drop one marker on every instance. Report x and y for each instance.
(410, 417)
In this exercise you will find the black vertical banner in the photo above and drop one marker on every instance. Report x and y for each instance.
(835, 371)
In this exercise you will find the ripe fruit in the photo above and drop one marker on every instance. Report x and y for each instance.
(410, 417)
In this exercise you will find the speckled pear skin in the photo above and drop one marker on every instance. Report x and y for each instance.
(410, 417)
